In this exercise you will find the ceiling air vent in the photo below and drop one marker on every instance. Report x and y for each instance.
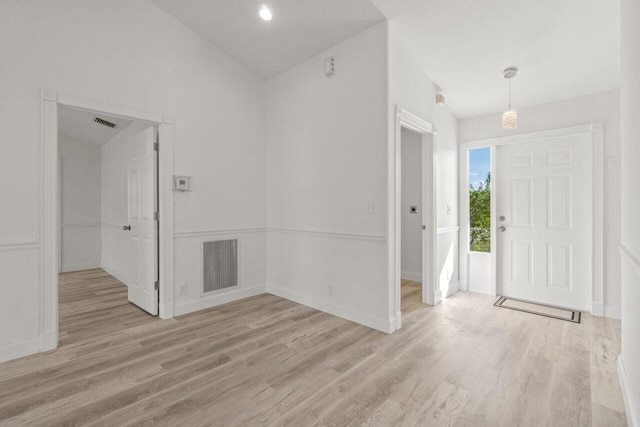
(104, 122)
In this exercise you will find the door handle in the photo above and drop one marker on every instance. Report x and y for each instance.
(127, 228)
(502, 228)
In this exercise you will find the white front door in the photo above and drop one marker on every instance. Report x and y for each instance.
(544, 226)
(142, 201)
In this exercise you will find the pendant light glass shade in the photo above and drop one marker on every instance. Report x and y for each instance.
(510, 120)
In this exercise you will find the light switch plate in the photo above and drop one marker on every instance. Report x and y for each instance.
(182, 183)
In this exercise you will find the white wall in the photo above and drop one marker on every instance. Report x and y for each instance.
(326, 166)
(630, 107)
(328, 155)
(597, 108)
(479, 273)
(411, 251)
(126, 52)
(411, 89)
(328, 148)
(79, 204)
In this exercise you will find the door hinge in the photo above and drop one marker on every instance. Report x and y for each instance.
(156, 285)
(424, 227)
(156, 216)
(156, 146)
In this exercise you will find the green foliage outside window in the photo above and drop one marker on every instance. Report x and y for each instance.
(480, 213)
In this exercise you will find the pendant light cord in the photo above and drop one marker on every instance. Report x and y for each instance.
(509, 93)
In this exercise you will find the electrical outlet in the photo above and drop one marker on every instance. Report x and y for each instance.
(183, 289)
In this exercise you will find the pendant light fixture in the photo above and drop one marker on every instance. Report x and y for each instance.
(510, 118)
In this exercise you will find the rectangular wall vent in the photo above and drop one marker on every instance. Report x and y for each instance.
(220, 265)
(104, 122)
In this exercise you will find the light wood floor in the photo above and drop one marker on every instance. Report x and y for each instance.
(269, 361)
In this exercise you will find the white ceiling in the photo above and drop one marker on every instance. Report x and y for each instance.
(563, 48)
(300, 29)
(80, 124)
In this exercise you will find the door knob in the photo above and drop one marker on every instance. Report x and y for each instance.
(502, 228)
(127, 228)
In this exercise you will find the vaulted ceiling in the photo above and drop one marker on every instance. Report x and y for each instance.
(300, 29)
(563, 48)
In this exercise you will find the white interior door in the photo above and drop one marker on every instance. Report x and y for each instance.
(142, 202)
(544, 211)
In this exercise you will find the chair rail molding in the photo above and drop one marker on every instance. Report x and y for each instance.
(217, 231)
(445, 230)
(16, 246)
(329, 234)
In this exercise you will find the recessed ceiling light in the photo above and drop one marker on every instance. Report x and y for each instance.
(265, 13)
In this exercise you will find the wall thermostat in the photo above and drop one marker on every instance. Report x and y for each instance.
(182, 183)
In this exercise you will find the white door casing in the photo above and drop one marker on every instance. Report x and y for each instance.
(431, 293)
(48, 243)
(544, 193)
(142, 205)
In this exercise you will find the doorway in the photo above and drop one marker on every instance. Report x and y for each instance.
(417, 170)
(411, 220)
(544, 227)
(108, 200)
(546, 218)
(51, 102)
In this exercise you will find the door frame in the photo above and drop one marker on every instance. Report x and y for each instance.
(50, 101)
(431, 293)
(595, 131)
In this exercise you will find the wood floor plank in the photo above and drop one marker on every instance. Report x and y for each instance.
(268, 361)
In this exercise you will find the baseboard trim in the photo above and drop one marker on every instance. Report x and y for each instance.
(437, 296)
(49, 341)
(597, 309)
(79, 267)
(396, 322)
(217, 299)
(115, 273)
(411, 275)
(612, 312)
(19, 349)
(453, 288)
(633, 418)
(604, 310)
(383, 325)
